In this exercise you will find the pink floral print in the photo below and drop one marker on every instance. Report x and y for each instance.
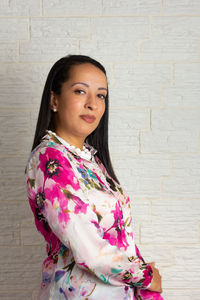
(85, 218)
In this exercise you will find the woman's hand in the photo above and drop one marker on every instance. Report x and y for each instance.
(156, 284)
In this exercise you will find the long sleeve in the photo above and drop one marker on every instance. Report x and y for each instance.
(55, 188)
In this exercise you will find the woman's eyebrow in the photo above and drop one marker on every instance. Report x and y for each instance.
(100, 88)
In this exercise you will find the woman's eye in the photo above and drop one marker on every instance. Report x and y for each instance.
(104, 97)
(79, 91)
(99, 95)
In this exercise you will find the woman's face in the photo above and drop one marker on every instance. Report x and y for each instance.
(76, 99)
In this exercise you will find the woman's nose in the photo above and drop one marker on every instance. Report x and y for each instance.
(91, 101)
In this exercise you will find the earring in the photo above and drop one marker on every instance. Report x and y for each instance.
(54, 109)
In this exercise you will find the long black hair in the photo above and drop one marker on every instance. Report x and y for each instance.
(58, 74)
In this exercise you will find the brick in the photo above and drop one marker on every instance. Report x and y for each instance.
(47, 49)
(188, 164)
(13, 295)
(170, 50)
(185, 91)
(112, 49)
(142, 75)
(30, 235)
(162, 255)
(12, 180)
(25, 144)
(17, 29)
(189, 7)
(13, 190)
(21, 123)
(119, 142)
(141, 210)
(106, 29)
(48, 27)
(138, 84)
(21, 268)
(21, 85)
(10, 235)
(71, 8)
(175, 211)
(179, 275)
(183, 294)
(140, 188)
(124, 127)
(169, 233)
(126, 7)
(26, 255)
(186, 255)
(184, 182)
(185, 96)
(145, 165)
(178, 39)
(187, 75)
(130, 120)
(22, 276)
(176, 141)
(176, 27)
(15, 212)
(20, 8)
(181, 187)
(135, 96)
(141, 174)
(109, 51)
(176, 119)
(9, 51)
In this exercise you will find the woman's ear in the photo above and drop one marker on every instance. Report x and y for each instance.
(53, 101)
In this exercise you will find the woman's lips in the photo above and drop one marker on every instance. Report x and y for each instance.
(88, 119)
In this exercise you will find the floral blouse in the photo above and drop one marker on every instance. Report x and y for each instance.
(85, 218)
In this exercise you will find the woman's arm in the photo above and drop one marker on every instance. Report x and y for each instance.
(53, 185)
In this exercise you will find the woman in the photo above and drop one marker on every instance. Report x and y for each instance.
(78, 203)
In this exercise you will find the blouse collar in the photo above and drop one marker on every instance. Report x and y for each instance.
(49, 134)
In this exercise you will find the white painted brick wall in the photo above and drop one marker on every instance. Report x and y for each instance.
(151, 51)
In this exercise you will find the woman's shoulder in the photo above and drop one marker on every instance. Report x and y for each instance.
(44, 148)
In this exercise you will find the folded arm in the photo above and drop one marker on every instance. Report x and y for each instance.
(76, 225)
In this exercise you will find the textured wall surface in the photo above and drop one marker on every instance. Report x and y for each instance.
(151, 51)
